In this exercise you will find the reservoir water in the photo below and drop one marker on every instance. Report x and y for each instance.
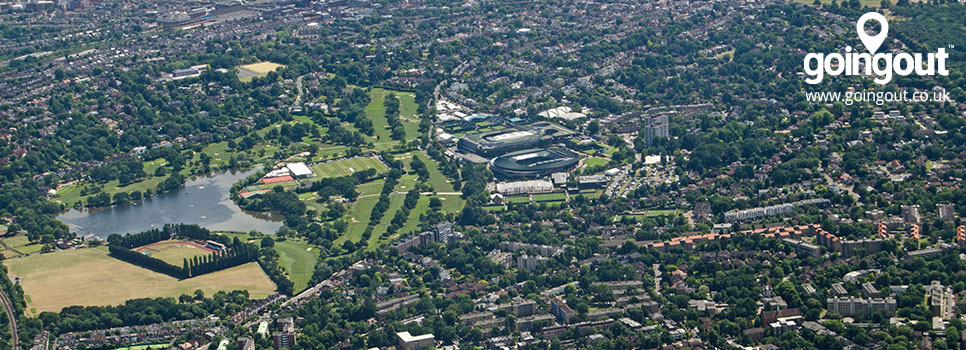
(204, 201)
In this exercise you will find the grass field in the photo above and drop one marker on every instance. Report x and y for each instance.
(395, 203)
(174, 252)
(359, 211)
(21, 244)
(436, 178)
(347, 166)
(452, 203)
(298, 259)
(249, 71)
(595, 161)
(376, 111)
(518, 199)
(91, 277)
(547, 197)
(412, 223)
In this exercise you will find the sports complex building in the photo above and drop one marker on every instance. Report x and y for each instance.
(534, 163)
(516, 137)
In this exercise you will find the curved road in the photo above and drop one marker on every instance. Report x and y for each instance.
(12, 318)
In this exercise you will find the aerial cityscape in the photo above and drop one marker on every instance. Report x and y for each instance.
(482, 174)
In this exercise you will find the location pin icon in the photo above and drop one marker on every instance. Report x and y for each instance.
(872, 42)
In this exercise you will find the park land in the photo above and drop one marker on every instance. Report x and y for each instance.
(91, 277)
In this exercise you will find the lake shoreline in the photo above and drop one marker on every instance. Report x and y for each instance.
(203, 200)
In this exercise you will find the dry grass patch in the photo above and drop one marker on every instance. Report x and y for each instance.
(90, 277)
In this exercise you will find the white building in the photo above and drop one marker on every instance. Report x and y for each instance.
(518, 187)
(299, 170)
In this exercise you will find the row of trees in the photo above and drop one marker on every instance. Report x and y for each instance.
(129, 241)
(392, 116)
(155, 235)
(392, 178)
(146, 261)
(219, 260)
(268, 260)
(238, 253)
(402, 215)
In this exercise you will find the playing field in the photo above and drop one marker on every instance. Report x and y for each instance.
(260, 69)
(347, 166)
(298, 259)
(174, 252)
(91, 277)
(595, 161)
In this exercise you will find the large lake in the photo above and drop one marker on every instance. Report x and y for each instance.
(204, 201)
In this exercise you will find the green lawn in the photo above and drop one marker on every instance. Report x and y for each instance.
(298, 259)
(407, 109)
(518, 199)
(359, 211)
(30, 249)
(21, 244)
(596, 161)
(347, 166)
(436, 178)
(376, 111)
(412, 224)
(653, 213)
(545, 197)
(16, 241)
(452, 203)
(395, 203)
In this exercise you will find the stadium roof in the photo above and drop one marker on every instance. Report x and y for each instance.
(537, 161)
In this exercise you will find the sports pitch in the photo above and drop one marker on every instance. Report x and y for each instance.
(260, 69)
(90, 277)
(347, 166)
(174, 252)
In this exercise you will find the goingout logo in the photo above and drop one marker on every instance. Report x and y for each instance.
(881, 64)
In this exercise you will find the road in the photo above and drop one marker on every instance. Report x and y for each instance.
(12, 318)
(298, 98)
(847, 189)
